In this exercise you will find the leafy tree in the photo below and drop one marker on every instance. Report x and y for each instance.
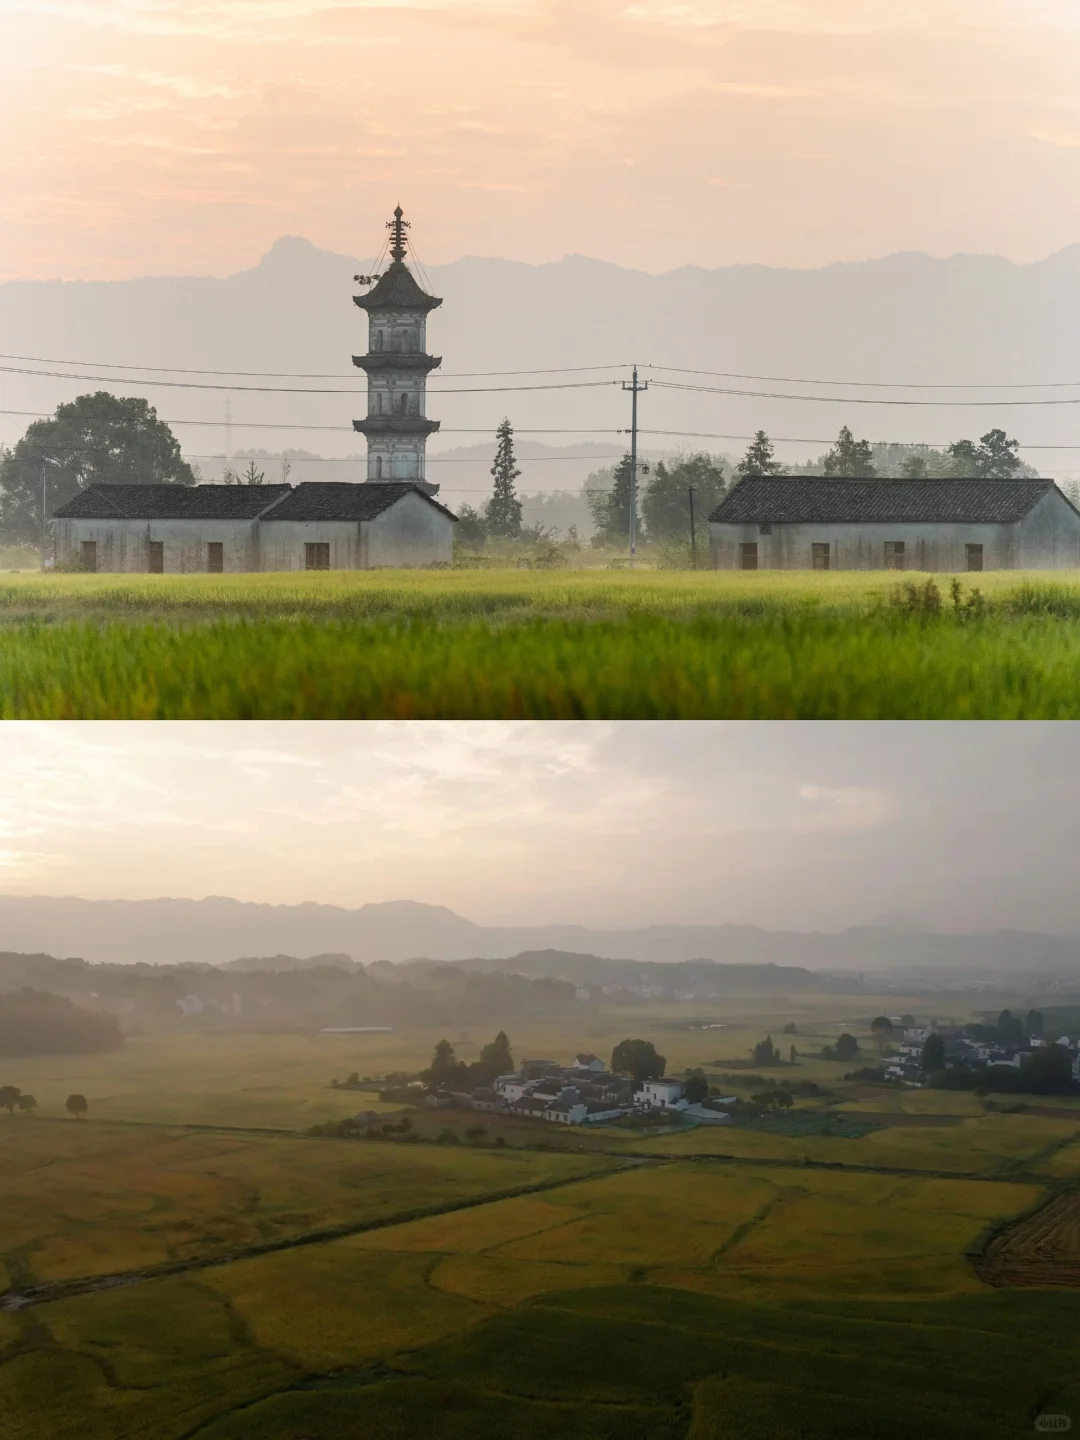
(27, 1104)
(915, 467)
(638, 1059)
(784, 1100)
(93, 440)
(791, 1028)
(665, 502)
(907, 1020)
(1010, 1028)
(850, 457)
(9, 1098)
(251, 476)
(933, 1054)
(881, 1027)
(758, 459)
(697, 1089)
(503, 512)
(996, 457)
(445, 1068)
(1033, 1025)
(611, 509)
(846, 1047)
(476, 1133)
(1048, 1070)
(76, 1105)
(496, 1058)
(764, 1052)
(793, 1056)
(471, 531)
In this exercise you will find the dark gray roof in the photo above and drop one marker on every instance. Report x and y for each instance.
(397, 290)
(344, 500)
(808, 499)
(171, 502)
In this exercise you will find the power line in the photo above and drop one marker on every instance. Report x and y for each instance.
(570, 430)
(555, 370)
(867, 384)
(858, 399)
(287, 389)
(293, 374)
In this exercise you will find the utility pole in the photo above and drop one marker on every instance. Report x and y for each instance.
(635, 390)
(43, 473)
(693, 532)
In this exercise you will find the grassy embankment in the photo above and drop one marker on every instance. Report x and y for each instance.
(524, 644)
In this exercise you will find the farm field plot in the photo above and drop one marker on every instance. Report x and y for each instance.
(546, 646)
(93, 1199)
(657, 1303)
(1041, 1249)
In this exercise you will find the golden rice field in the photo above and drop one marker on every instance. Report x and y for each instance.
(686, 1300)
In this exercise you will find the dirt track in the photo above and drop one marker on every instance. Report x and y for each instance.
(1043, 1249)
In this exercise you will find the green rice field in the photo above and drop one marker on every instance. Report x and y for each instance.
(525, 644)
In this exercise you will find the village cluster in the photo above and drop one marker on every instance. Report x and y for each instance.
(582, 1093)
(965, 1046)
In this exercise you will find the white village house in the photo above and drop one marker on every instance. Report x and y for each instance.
(390, 520)
(817, 522)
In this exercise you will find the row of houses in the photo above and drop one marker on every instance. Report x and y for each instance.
(584, 1092)
(961, 1048)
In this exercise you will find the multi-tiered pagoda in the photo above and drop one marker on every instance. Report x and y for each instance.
(397, 366)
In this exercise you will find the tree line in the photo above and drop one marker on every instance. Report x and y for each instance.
(12, 1099)
(33, 1022)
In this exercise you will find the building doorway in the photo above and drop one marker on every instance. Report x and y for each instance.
(157, 557)
(748, 555)
(317, 555)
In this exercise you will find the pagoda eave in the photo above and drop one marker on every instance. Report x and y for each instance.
(396, 360)
(379, 302)
(393, 425)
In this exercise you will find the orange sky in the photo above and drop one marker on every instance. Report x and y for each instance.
(180, 136)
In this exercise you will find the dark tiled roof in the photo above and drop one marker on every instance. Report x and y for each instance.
(802, 499)
(171, 502)
(397, 290)
(343, 500)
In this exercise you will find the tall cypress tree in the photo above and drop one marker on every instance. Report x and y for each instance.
(758, 459)
(503, 513)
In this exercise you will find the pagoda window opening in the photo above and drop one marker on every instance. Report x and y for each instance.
(378, 467)
(379, 339)
(405, 403)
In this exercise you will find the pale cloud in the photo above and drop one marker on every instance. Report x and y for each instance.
(537, 126)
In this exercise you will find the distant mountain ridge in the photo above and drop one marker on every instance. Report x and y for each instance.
(218, 930)
(965, 320)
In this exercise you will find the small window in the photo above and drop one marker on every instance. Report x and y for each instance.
(378, 467)
(379, 341)
(894, 554)
(215, 557)
(748, 555)
(157, 557)
(974, 555)
(405, 404)
(764, 529)
(317, 556)
(88, 557)
(819, 555)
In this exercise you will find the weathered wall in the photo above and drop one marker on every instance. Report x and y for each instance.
(1049, 538)
(282, 543)
(411, 533)
(124, 545)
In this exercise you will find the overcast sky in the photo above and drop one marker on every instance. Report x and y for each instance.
(964, 826)
(183, 136)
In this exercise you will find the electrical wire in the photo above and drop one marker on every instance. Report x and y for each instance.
(868, 384)
(295, 374)
(856, 399)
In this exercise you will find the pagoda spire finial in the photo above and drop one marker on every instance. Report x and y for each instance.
(397, 227)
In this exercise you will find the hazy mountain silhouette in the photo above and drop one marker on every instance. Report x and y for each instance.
(217, 930)
(908, 317)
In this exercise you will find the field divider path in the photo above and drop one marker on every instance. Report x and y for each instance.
(67, 1289)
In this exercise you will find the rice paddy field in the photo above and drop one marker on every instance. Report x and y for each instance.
(188, 1264)
(547, 645)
